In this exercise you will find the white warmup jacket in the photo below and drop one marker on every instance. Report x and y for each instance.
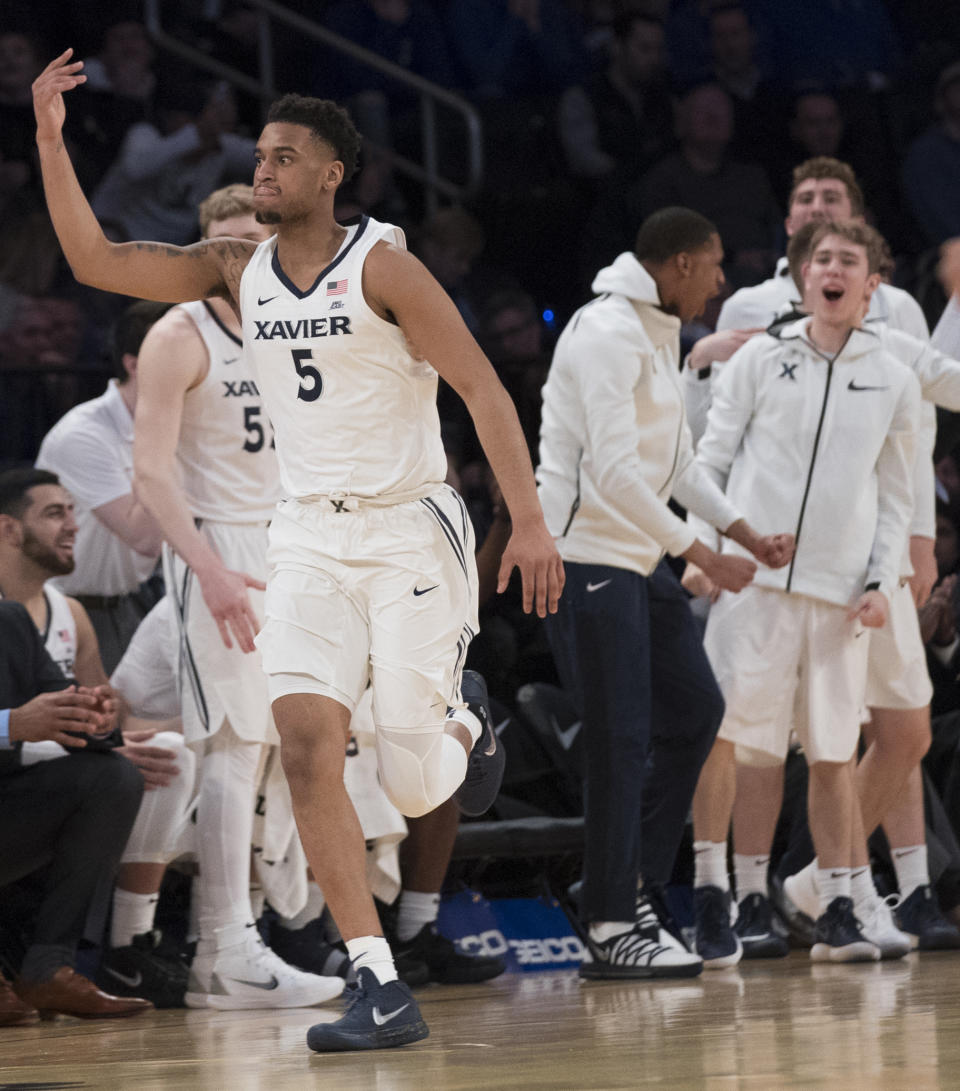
(614, 443)
(822, 449)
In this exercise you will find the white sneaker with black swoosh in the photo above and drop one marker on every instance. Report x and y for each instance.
(235, 971)
(377, 1017)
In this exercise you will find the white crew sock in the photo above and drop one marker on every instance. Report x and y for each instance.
(374, 953)
(832, 882)
(601, 931)
(311, 910)
(415, 910)
(862, 890)
(132, 916)
(710, 864)
(751, 874)
(910, 864)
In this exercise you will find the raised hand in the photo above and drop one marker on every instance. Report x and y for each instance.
(60, 75)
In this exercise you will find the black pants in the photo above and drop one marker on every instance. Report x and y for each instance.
(630, 652)
(70, 816)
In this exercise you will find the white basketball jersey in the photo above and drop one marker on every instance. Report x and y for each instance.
(355, 413)
(228, 464)
(60, 638)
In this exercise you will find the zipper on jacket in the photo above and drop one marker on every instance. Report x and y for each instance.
(575, 506)
(813, 459)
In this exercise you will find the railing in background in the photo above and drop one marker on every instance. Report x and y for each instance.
(263, 87)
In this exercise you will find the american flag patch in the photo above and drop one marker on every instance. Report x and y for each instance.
(336, 287)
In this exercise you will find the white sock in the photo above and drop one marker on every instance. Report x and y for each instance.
(312, 909)
(710, 864)
(832, 882)
(374, 953)
(415, 910)
(751, 873)
(862, 890)
(469, 720)
(601, 931)
(258, 899)
(132, 916)
(910, 864)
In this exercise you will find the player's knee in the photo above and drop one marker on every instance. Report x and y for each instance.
(756, 759)
(419, 770)
(311, 759)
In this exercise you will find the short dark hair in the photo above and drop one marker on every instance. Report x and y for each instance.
(326, 120)
(672, 230)
(623, 23)
(129, 330)
(16, 483)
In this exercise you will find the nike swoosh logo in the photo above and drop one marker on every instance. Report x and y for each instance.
(133, 982)
(232, 360)
(852, 385)
(381, 1019)
(424, 590)
(900, 853)
(567, 736)
(597, 586)
(273, 983)
(837, 874)
(261, 302)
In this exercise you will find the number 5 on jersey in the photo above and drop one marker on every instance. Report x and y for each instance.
(311, 382)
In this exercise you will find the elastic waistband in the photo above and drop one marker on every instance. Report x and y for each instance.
(337, 503)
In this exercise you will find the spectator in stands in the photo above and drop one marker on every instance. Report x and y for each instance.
(163, 172)
(118, 545)
(515, 48)
(931, 171)
(119, 92)
(757, 101)
(70, 816)
(620, 118)
(20, 62)
(450, 243)
(702, 176)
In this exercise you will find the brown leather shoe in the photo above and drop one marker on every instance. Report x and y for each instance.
(69, 993)
(13, 1011)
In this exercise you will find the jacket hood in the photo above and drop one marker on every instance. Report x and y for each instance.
(792, 328)
(626, 276)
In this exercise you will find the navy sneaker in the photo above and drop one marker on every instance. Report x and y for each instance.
(837, 936)
(920, 917)
(756, 929)
(487, 759)
(377, 1017)
(445, 963)
(717, 943)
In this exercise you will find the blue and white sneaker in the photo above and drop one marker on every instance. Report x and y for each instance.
(717, 943)
(919, 916)
(838, 936)
(377, 1017)
(487, 759)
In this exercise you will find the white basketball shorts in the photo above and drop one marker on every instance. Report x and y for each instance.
(786, 661)
(897, 675)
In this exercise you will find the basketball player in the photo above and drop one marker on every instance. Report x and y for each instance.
(205, 468)
(371, 567)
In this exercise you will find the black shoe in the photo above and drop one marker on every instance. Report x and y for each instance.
(444, 961)
(377, 1017)
(307, 948)
(717, 943)
(487, 759)
(138, 970)
(756, 929)
(837, 936)
(920, 917)
(799, 926)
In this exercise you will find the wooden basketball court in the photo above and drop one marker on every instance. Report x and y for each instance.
(765, 1025)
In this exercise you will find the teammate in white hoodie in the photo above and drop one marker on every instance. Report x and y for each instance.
(816, 426)
(614, 448)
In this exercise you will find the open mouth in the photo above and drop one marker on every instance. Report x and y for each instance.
(831, 295)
